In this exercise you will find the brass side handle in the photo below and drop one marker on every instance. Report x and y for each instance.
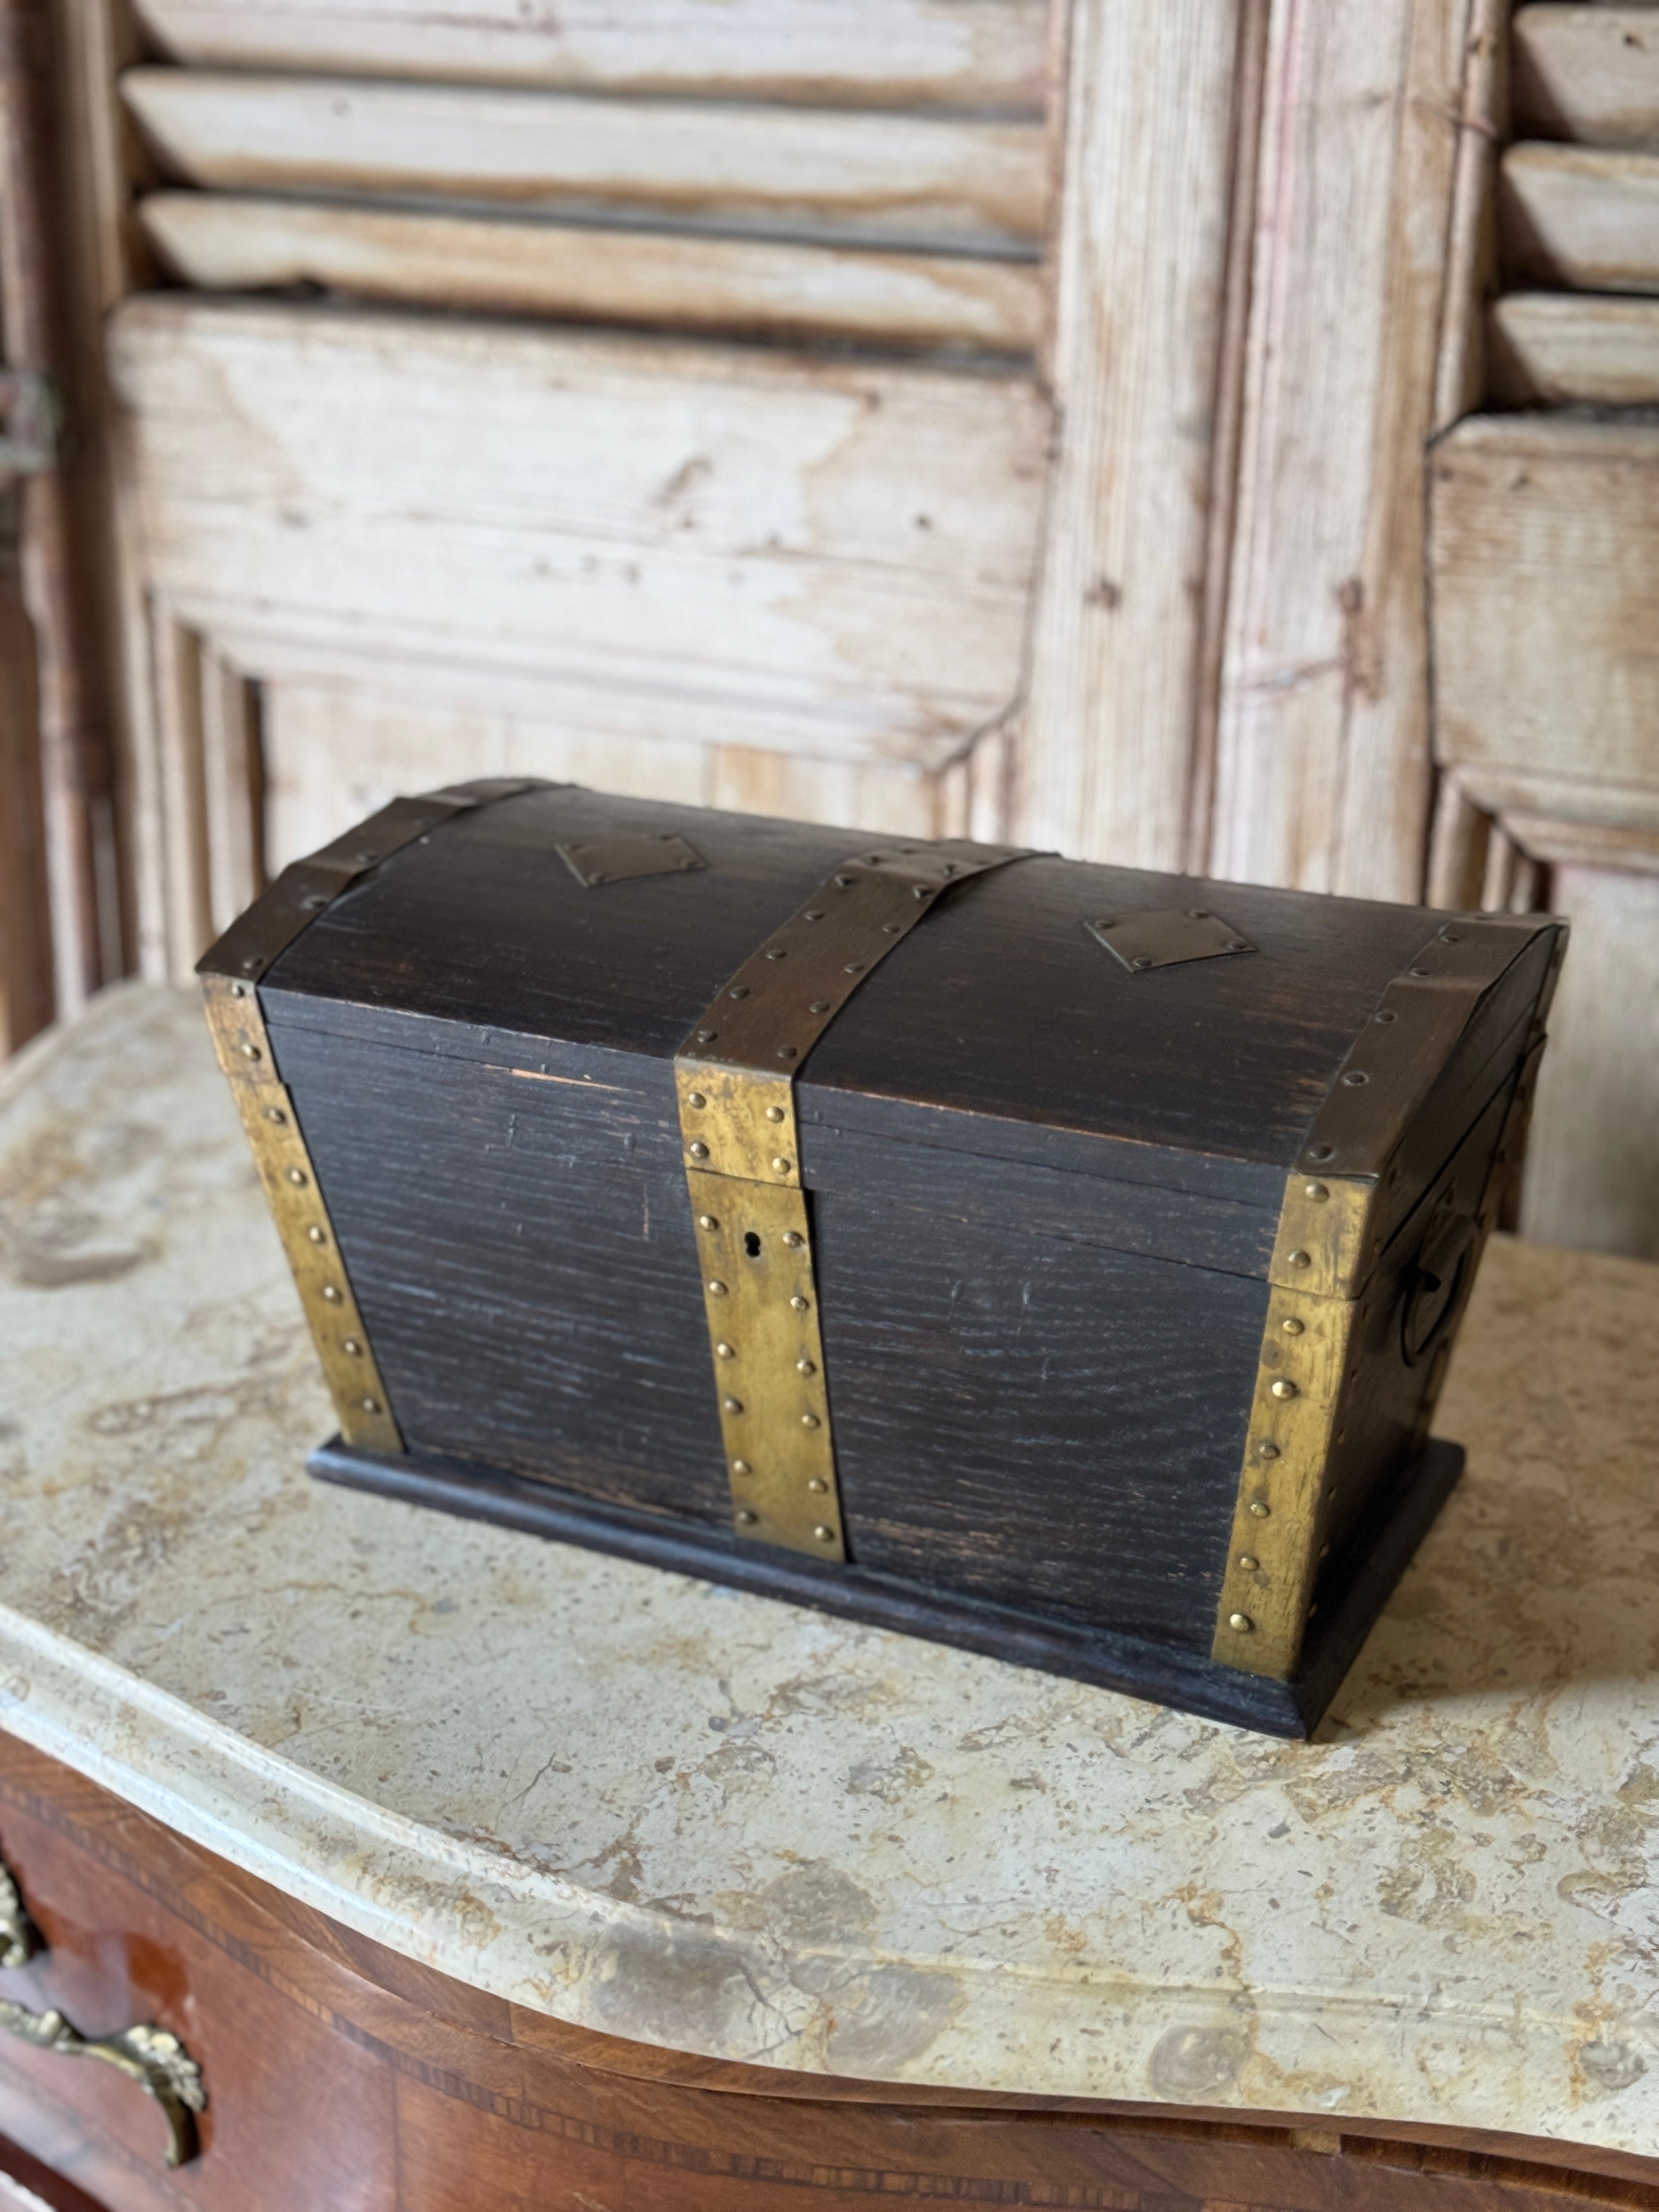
(152, 2057)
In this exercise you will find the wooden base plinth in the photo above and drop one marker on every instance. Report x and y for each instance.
(1161, 1672)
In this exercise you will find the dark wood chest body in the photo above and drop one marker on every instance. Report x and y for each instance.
(1047, 1209)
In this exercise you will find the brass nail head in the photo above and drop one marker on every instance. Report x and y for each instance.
(1292, 1326)
(1248, 1561)
(805, 1367)
(781, 1165)
(707, 1221)
(296, 1174)
(699, 1150)
(1240, 1621)
(819, 1007)
(276, 1114)
(808, 1420)
(317, 1235)
(799, 1304)
(350, 1344)
(775, 1113)
(794, 1239)
(775, 952)
(1302, 1259)
(371, 1405)
(1284, 1388)
(824, 1535)
(716, 1289)
(1267, 1451)
(732, 1405)
(251, 1052)
(239, 990)
(739, 991)
(331, 1294)
(1315, 1191)
(741, 1466)
(697, 1099)
(1259, 1508)
(818, 1485)
(854, 968)
(723, 1351)
(707, 1036)
(746, 1517)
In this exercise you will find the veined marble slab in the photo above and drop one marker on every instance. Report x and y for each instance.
(709, 1820)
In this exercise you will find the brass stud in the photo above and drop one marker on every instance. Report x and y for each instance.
(317, 1235)
(794, 1239)
(253, 961)
(239, 990)
(799, 1303)
(789, 1052)
(707, 1036)
(1267, 1451)
(891, 928)
(1199, 912)
(331, 1294)
(746, 1518)
(723, 1351)
(1236, 944)
(707, 1221)
(775, 1113)
(741, 1466)
(824, 1535)
(276, 1114)
(819, 1007)
(371, 1405)
(776, 952)
(251, 1052)
(698, 1150)
(1315, 1191)
(808, 1420)
(1419, 972)
(1249, 1562)
(696, 1098)
(854, 968)
(349, 1345)
(732, 1405)
(1141, 960)
(817, 1484)
(1302, 1259)
(1261, 1508)
(781, 1165)
(716, 1289)
(297, 1175)
(805, 1367)
(1240, 1621)
(1387, 1015)
(1320, 1151)
(1355, 1077)
(739, 991)
(1292, 1325)
(921, 891)
(813, 914)
(1284, 1388)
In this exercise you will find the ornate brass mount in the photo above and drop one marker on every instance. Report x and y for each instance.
(152, 2057)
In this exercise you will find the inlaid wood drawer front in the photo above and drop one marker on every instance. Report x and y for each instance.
(346, 2078)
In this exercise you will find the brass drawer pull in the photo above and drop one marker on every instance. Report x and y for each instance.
(152, 2057)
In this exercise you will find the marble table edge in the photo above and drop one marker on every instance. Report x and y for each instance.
(537, 1941)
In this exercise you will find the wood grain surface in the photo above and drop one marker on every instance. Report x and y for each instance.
(1582, 217)
(420, 2094)
(235, 242)
(966, 181)
(1590, 74)
(1567, 350)
(960, 53)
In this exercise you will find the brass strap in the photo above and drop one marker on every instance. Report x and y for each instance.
(735, 1075)
(229, 971)
(1338, 1213)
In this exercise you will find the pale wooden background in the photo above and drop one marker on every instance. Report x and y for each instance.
(1206, 433)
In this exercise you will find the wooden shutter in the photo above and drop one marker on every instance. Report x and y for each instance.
(1545, 579)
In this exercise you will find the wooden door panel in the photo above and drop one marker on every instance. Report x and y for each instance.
(851, 544)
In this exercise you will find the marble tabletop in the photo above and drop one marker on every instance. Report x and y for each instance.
(709, 1820)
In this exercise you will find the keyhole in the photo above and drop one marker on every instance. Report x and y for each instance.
(751, 1245)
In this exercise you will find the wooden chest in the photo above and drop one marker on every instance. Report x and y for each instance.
(1058, 1260)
